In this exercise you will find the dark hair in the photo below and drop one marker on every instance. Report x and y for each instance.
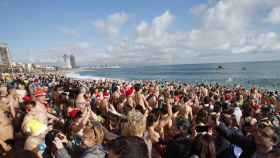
(246, 111)
(186, 98)
(202, 116)
(137, 87)
(151, 119)
(114, 87)
(50, 136)
(225, 106)
(227, 119)
(179, 147)
(129, 147)
(216, 97)
(184, 124)
(206, 100)
(204, 145)
(217, 107)
(176, 108)
(21, 153)
(140, 109)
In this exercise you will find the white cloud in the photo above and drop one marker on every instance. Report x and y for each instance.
(228, 30)
(153, 43)
(274, 16)
(142, 29)
(112, 24)
(198, 9)
(232, 23)
(161, 23)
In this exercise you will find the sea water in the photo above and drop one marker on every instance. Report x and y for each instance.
(265, 75)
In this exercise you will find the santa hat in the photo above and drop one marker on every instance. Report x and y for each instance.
(97, 95)
(129, 92)
(40, 92)
(26, 99)
(106, 94)
(74, 113)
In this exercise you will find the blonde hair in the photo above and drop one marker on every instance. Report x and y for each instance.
(95, 135)
(135, 125)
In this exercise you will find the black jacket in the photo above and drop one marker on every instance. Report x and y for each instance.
(248, 145)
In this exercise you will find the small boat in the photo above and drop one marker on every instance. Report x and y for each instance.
(220, 67)
(244, 68)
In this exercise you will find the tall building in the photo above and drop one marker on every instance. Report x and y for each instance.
(65, 58)
(5, 59)
(5, 55)
(73, 61)
(67, 63)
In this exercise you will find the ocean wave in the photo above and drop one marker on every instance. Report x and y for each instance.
(78, 76)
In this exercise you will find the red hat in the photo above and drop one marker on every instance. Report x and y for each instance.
(40, 92)
(97, 95)
(74, 113)
(106, 94)
(129, 92)
(26, 99)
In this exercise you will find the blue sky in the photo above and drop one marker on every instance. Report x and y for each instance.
(130, 32)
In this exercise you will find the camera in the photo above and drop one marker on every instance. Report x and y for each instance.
(201, 128)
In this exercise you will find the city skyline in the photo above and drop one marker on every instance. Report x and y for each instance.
(143, 32)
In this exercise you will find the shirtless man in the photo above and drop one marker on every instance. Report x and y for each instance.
(139, 98)
(129, 101)
(186, 109)
(9, 100)
(40, 111)
(152, 97)
(115, 99)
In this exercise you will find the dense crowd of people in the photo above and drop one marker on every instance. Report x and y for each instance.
(52, 116)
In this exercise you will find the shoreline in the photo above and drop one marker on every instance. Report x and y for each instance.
(76, 76)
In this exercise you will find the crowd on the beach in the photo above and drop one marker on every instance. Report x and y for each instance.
(51, 116)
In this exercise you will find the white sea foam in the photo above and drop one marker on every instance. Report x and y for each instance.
(79, 77)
